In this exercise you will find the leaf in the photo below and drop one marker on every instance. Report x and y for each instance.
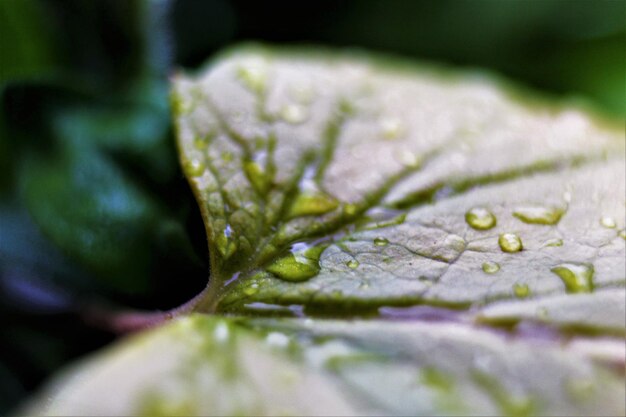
(27, 41)
(28, 44)
(470, 237)
(95, 214)
(93, 156)
(339, 183)
(203, 365)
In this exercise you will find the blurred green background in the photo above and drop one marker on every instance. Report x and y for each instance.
(94, 211)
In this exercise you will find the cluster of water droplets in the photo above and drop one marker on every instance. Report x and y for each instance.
(576, 277)
(300, 263)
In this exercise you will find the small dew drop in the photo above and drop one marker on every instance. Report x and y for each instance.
(194, 167)
(455, 243)
(252, 289)
(364, 286)
(353, 264)
(622, 234)
(381, 241)
(608, 222)
(521, 290)
(553, 243)
(539, 214)
(510, 243)
(299, 265)
(293, 113)
(491, 267)
(577, 277)
(480, 218)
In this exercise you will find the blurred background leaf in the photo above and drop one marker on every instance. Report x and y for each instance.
(93, 206)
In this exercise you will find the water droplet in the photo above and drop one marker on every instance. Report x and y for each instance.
(364, 286)
(480, 218)
(510, 242)
(622, 234)
(539, 214)
(521, 290)
(577, 277)
(454, 242)
(491, 267)
(353, 264)
(293, 113)
(311, 204)
(381, 241)
(300, 264)
(251, 289)
(608, 222)
(194, 167)
(553, 242)
(391, 128)
(378, 217)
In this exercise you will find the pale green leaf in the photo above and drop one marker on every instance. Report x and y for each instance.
(202, 365)
(376, 167)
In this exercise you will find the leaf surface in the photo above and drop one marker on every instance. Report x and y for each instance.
(203, 365)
